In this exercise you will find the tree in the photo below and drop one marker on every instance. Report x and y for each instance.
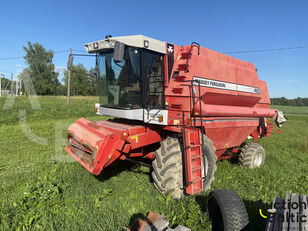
(81, 82)
(290, 102)
(26, 86)
(41, 69)
(5, 83)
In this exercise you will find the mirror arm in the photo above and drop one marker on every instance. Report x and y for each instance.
(71, 59)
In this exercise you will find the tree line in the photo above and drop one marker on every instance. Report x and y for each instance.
(41, 78)
(290, 102)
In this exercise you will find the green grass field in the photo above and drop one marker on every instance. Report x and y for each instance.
(39, 192)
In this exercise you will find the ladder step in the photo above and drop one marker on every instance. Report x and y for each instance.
(176, 106)
(196, 179)
(177, 90)
(195, 157)
(179, 78)
(184, 55)
(182, 64)
(194, 146)
(197, 189)
(196, 169)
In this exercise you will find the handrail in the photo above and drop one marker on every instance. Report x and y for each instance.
(193, 44)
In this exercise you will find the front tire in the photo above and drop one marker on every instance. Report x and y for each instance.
(168, 168)
(252, 155)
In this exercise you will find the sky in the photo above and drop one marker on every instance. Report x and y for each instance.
(224, 26)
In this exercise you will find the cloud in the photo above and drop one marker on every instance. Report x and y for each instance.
(60, 69)
(20, 65)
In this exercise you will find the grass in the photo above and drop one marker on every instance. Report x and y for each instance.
(38, 192)
(292, 110)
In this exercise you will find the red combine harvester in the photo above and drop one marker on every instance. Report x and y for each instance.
(182, 107)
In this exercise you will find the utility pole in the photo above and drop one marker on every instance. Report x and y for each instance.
(12, 84)
(16, 90)
(69, 83)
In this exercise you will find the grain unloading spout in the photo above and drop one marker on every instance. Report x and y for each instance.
(279, 118)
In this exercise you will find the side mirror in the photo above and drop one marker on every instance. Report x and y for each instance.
(70, 62)
(118, 52)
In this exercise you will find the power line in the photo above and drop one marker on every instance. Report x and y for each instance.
(224, 52)
(266, 50)
(21, 57)
(11, 58)
(57, 52)
(80, 50)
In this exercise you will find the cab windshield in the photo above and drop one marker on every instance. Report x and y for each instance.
(119, 84)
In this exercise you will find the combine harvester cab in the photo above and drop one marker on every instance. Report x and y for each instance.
(182, 107)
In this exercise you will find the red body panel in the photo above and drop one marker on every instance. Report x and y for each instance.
(219, 67)
(229, 114)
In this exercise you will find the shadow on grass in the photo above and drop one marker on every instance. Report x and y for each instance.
(134, 221)
(234, 160)
(256, 222)
(201, 200)
(118, 167)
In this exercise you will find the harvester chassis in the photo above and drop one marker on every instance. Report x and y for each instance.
(205, 104)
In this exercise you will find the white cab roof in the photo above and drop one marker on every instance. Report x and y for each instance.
(132, 40)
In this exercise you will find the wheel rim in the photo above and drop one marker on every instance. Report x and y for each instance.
(258, 159)
(205, 173)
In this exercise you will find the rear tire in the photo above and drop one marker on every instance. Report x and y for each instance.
(168, 168)
(227, 211)
(210, 158)
(252, 155)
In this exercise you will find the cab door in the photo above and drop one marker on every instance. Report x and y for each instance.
(153, 75)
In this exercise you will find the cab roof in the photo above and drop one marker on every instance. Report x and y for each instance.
(131, 40)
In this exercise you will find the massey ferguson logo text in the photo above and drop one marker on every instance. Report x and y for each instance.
(225, 85)
(212, 83)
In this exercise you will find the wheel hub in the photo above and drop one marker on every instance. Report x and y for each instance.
(258, 159)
